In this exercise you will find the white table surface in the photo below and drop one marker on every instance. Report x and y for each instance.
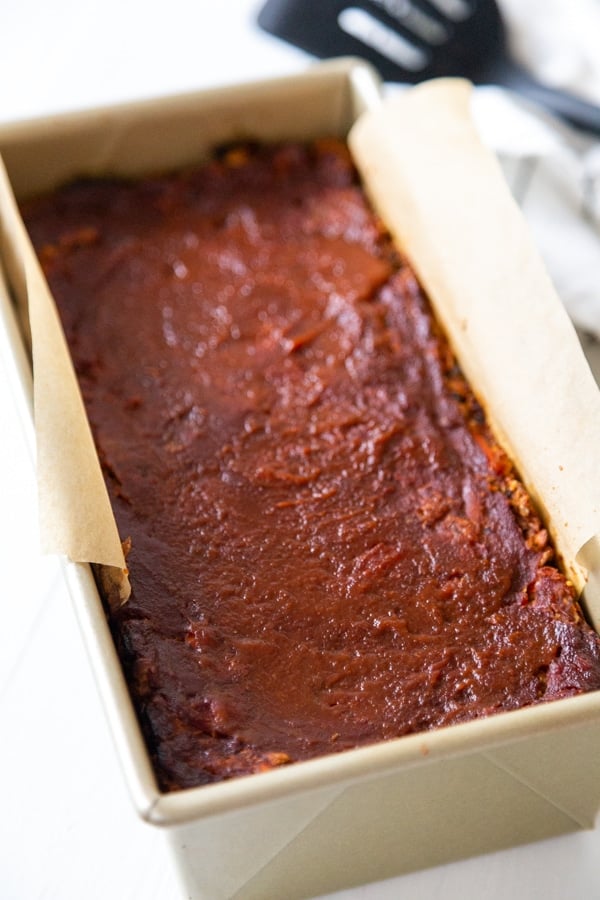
(68, 830)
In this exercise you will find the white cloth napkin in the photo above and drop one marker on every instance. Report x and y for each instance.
(553, 170)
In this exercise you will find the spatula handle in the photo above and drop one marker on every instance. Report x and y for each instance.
(574, 110)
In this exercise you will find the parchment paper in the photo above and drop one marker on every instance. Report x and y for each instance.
(76, 518)
(443, 198)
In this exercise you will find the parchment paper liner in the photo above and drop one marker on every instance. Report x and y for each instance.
(76, 518)
(443, 197)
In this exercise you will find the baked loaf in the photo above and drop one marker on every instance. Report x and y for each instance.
(328, 547)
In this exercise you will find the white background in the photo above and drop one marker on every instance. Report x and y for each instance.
(68, 830)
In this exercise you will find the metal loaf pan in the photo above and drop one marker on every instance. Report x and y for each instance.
(365, 814)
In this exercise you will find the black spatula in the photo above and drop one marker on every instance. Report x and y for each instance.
(412, 40)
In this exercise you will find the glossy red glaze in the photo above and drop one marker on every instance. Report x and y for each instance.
(328, 547)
